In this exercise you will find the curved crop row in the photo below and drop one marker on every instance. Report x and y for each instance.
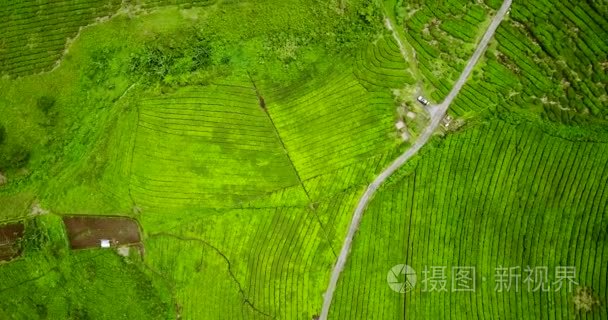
(274, 266)
(34, 33)
(554, 68)
(443, 36)
(332, 126)
(381, 66)
(212, 147)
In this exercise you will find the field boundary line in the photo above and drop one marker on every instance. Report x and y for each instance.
(276, 131)
(224, 257)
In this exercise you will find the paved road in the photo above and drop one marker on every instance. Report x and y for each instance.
(437, 113)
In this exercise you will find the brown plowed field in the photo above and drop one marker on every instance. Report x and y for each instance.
(9, 236)
(87, 232)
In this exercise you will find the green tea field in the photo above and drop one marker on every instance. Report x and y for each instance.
(272, 159)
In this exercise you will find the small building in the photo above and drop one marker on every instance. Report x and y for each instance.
(405, 136)
(105, 243)
(446, 121)
(411, 115)
(400, 125)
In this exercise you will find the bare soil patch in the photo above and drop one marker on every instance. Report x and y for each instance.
(87, 232)
(10, 234)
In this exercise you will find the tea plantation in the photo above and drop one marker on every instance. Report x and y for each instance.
(241, 136)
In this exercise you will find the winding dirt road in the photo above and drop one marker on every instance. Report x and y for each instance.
(437, 112)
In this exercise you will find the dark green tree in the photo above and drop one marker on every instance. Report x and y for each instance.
(13, 157)
(45, 104)
(2, 134)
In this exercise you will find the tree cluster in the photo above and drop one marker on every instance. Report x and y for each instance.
(167, 58)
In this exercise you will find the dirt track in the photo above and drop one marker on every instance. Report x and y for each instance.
(9, 236)
(87, 232)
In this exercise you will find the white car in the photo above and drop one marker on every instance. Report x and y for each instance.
(422, 100)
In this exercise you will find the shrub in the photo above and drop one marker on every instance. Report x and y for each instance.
(99, 68)
(13, 157)
(368, 13)
(36, 236)
(584, 300)
(45, 103)
(169, 57)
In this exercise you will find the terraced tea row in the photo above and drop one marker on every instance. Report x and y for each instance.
(213, 147)
(443, 36)
(275, 266)
(35, 33)
(381, 67)
(337, 131)
(351, 176)
(554, 68)
(497, 195)
(332, 125)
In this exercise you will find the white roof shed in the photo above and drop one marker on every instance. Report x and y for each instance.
(105, 243)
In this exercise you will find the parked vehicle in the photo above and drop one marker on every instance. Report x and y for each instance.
(422, 100)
